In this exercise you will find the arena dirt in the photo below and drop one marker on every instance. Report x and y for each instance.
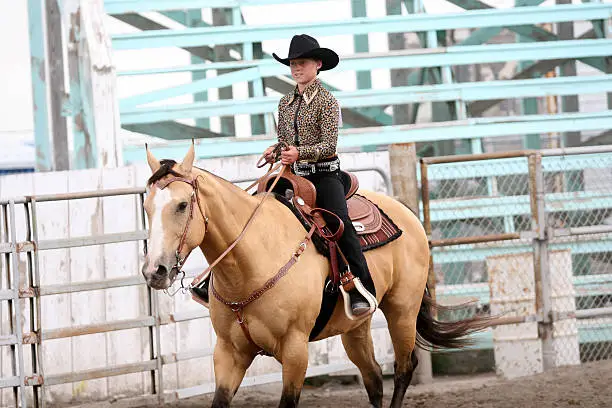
(588, 385)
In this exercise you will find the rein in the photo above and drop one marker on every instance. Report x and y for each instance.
(199, 278)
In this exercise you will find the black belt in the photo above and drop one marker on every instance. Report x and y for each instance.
(307, 169)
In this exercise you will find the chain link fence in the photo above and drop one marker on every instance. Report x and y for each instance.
(528, 235)
(579, 216)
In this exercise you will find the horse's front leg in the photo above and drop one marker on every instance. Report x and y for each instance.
(230, 366)
(294, 357)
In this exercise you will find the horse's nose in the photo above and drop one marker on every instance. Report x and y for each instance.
(161, 270)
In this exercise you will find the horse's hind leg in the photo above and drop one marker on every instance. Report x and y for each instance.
(360, 350)
(402, 327)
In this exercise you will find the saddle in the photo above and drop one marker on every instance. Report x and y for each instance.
(364, 214)
(374, 229)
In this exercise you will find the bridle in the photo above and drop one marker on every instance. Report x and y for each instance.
(180, 261)
(161, 184)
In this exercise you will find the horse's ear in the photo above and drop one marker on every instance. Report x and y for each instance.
(153, 162)
(187, 163)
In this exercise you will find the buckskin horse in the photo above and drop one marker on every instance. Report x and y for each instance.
(188, 207)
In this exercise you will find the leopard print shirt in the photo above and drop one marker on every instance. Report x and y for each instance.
(318, 115)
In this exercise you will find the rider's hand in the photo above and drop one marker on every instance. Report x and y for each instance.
(289, 156)
(269, 154)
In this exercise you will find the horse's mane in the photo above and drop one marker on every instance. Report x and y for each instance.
(166, 169)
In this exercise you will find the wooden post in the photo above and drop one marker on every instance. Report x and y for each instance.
(403, 163)
(93, 96)
(38, 64)
(55, 56)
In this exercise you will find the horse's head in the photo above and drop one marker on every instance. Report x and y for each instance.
(176, 221)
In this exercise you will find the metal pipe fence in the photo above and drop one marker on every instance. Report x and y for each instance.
(31, 385)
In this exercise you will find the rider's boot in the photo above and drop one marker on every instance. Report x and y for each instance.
(359, 304)
(359, 301)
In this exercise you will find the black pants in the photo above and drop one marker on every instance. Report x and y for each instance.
(330, 196)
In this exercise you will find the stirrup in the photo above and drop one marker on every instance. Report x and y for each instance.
(348, 310)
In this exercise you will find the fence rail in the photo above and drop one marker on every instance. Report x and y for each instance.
(191, 37)
(467, 129)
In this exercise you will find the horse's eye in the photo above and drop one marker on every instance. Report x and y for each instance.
(182, 207)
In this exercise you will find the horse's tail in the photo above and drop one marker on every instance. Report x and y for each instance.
(436, 334)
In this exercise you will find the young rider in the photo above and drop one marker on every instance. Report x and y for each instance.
(308, 122)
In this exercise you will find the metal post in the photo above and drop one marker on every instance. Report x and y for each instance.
(154, 340)
(7, 262)
(223, 17)
(528, 106)
(260, 124)
(34, 311)
(194, 19)
(431, 278)
(543, 284)
(17, 328)
(569, 103)
(360, 41)
(399, 77)
(35, 279)
(440, 111)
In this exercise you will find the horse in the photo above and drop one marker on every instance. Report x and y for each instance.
(206, 211)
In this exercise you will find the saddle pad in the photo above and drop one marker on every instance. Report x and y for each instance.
(380, 229)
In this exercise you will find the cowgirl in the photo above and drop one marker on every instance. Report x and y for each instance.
(308, 120)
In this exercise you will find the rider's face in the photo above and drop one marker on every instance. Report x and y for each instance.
(304, 70)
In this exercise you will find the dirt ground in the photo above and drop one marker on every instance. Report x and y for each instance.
(588, 385)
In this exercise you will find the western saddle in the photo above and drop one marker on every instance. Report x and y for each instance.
(364, 215)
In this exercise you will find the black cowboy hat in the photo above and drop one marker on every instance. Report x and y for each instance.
(304, 46)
